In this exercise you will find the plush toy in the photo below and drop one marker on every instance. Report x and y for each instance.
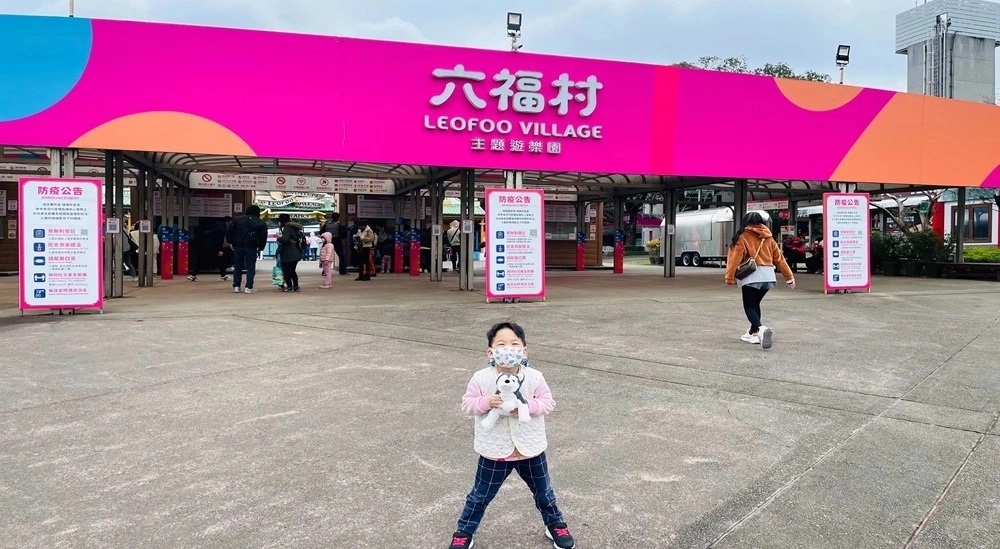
(509, 389)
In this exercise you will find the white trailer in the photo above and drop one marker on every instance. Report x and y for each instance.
(704, 235)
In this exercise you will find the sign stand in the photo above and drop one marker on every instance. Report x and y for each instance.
(60, 243)
(846, 242)
(515, 233)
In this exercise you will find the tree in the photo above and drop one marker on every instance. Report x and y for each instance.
(739, 65)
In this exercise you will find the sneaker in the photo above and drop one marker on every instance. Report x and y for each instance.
(461, 540)
(559, 534)
(296, 290)
(193, 278)
(325, 287)
(752, 339)
(766, 338)
(248, 291)
(223, 278)
(236, 289)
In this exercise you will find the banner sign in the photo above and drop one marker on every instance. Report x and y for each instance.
(376, 209)
(289, 183)
(767, 205)
(61, 244)
(515, 223)
(200, 205)
(847, 241)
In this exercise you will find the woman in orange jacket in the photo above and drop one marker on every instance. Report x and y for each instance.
(754, 239)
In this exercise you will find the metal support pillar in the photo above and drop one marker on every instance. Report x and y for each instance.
(793, 219)
(414, 214)
(121, 241)
(110, 271)
(668, 242)
(581, 235)
(468, 213)
(739, 201)
(513, 179)
(62, 163)
(958, 233)
(437, 220)
(845, 187)
(137, 207)
(151, 238)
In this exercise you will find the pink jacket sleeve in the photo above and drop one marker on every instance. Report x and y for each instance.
(541, 403)
(327, 253)
(474, 402)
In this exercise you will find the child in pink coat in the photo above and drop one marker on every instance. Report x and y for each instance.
(327, 257)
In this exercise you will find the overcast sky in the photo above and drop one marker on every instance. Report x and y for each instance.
(802, 33)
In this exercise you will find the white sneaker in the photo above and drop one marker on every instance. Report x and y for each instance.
(249, 291)
(223, 278)
(766, 337)
(236, 289)
(752, 339)
(192, 278)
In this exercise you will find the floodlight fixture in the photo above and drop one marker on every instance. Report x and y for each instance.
(513, 23)
(843, 55)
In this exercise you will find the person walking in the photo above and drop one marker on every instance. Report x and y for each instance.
(315, 242)
(365, 240)
(754, 241)
(339, 234)
(248, 236)
(290, 246)
(454, 236)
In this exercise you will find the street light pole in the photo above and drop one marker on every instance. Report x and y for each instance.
(71, 8)
(514, 30)
(843, 59)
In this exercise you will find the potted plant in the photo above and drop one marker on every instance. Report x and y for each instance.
(938, 253)
(879, 252)
(918, 246)
(893, 246)
(653, 247)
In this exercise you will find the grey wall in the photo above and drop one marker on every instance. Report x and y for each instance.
(974, 64)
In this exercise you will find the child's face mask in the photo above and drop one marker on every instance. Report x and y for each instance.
(509, 357)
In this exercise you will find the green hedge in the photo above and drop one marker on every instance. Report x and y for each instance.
(982, 254)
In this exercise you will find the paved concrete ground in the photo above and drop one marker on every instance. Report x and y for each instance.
(187, 416)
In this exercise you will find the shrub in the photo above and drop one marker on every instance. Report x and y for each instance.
(982, 254)
(653, 246)
(927, 247)
(887, 247)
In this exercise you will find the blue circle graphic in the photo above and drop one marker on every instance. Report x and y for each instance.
(44, 58)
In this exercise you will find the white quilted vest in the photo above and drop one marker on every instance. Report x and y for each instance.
(509, 432)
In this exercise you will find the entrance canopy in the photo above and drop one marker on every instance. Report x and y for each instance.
(242, 95)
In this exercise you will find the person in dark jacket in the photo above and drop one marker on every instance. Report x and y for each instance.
(290, 251)
(248, 236)
(339, 234)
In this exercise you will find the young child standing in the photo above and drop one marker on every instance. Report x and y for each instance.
(510, 445)
(327, 257)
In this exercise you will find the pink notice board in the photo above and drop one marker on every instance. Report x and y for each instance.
(60, 244)
(515, 244)
(847, 242)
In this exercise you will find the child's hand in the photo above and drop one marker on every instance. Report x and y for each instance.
(496, 401)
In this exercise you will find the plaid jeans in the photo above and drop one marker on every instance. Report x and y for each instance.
(490, 475)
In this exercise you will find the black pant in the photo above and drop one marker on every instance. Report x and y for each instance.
(291, 277)
(751, 304)
(454, 257)
(342, 259)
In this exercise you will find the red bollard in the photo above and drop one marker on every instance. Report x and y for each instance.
(397, 255)
(415, 253)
